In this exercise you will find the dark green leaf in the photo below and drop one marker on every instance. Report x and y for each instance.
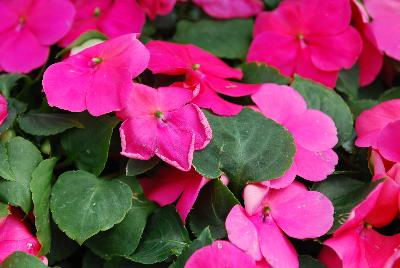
(61, 246)
(226, 39)
(22, 260)
(349, 82)
(358, 106)
(259, 73)
(393, 93)
(211, 209)
(15, 108)
(309, 262)
(4, 210)
(8, 81)
(83, 205)
(164, 237)
(136, 167)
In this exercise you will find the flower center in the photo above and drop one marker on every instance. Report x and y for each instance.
(97, 60)
(97, 12)
(302, 40)
(367, 225)
(159, 115)
(195, 66)
(21, 23)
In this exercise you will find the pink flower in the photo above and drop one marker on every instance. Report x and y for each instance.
(111, 17)
(371, 58)
(227, 9)
(313, 131)
(379, 128)
(15, 236)
(203, 69)
(28, 29)
(163, 122)
(169, 184)
(311, 38)
(218, 255)
(260, 228)
(98, 78)
(385, 24)
(157, 7)
(3, 109)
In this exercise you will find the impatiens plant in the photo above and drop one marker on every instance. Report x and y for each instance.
(203, 133)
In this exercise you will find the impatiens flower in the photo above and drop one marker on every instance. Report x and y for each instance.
(15, 236)
(164, 123)
(169, 184)
(28, 29)
(111, 17)
(220, 254)
(313, 131)
(98, 78)
(227, 9)
(371, 58)
(260, 228)
(203, 68)
(311, 38)
(3, 109)
(379, 128)
(385, 24)
(157, 7)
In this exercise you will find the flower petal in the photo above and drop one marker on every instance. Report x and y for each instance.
(388, 142)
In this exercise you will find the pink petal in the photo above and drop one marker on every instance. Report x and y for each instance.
(285, 180)
(230, 88)
(157, 7)
(329, 258)
(220, 254)
(378, 166)
(388, 142)
(379, 248)
(172, 98)
(253, 196)
(279, 103)
(242, 233)
(8, 18)
(315, 166)
(141, 101)
(3, 109)
(78, 28)
(226, 9)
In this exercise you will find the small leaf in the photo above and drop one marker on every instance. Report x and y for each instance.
(164, 237)
(22, 260)
(4, 212)
(42, 124)
(259, 73)
(211, 209)
(41, 189)
(136, 167)
(89, 35)
(83, 205)
(226, 39)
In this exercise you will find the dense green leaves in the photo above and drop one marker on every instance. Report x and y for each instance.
(83, 205)
(8, 81)
(259, 73)
(211, 208)
(247, 147)
(18, 159)
(226, 39)
(136, 167)
(164, 236)
(22, 260)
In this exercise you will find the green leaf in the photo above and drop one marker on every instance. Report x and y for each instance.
(88, 147)
(309, 262)
(349, 82)
(326, 100)
(82, 39)
(8, 81)
(164, 237)
(15, 108)
(358, 106)
(42, 124)
(136, 167)
(18, 159)
(259, 73)
(247, 147)
(345, 193)
(83, 205)
(226, 39)
(211, 209)
(61, 246)
(41, 189)
(204, 239)
(22, 260)
(4, 212)
(393, 93)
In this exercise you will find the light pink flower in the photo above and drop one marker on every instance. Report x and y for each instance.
(385, 24)
(157, 7)
(313, 131)
(218, 255)
(163, 122)
(203, 69)
(111, 17)
(15, 236)
(3, 109)
(379, 128)
(98, 78)
(260, 228)
(169, 184)
(28, 29)
(311, 38)
(228, 9)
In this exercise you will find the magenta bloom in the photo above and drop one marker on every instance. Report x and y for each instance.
(164, 123)
(385, 24)
(379, 128)
(157, 7)
(3, 109)
(98, 78)
(203, 69)
(311, 38)
(314, 133)
(111, 17)
(227, 9)
(218, 255)
(260, 228)
(170, 184)
(28, 29)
